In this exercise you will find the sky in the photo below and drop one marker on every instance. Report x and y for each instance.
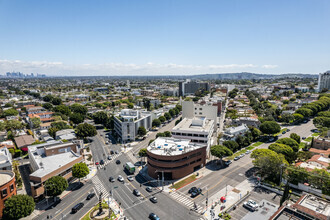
(164, 37)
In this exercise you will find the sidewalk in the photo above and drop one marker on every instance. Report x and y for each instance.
(232, 195)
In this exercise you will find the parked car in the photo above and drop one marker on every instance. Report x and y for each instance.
(153, 199)
(192, 189)
(136, 192)
(91, 195)
(153, 216)
(117, 161)
(109, 157)
(101, 162)
(242, 155)
(228, 162)
(303, 138)
(251, 205)
(77, 207)
(130, 178)
(247, 152)
(120, 178)
(149, 189)
(236, 158)
(196, 192)
(116, 152)
(107, 142)
(283, 132)
(111, 179)
(287, 130)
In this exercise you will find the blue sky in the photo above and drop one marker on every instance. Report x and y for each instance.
(103, 37)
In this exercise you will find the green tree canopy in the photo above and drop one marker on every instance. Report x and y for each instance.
(77, 118)
(172, 113)
(100, 117)
(77, 108)
(156, 123)
(80, 170)
(290, 142)
(47, 106)
(270, 127)
(298, 117)
(141, 131)
(14, 124)
(255, 133)
(63, 109)
(143, 152)
(167, 134)
(304, 112)
(295, 137)
(220, 151)
(167, 116)
(56, 101)
(36, 122)
(179, 107)
(18, 206)
(232, 145)
(283, 149)
(10, 112)
(56, 185)
(86, 130)
(48, 98)
(162, 119)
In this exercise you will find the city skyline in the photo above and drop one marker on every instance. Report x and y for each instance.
(164, 38)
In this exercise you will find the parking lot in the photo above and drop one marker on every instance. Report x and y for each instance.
(268, 204)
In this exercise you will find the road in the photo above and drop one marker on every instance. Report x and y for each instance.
(237, 172)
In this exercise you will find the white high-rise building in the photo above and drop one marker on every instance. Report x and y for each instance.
(324, 81)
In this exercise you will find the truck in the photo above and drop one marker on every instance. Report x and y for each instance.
(129, 167)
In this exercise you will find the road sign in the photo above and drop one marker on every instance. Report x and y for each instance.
(115, 187)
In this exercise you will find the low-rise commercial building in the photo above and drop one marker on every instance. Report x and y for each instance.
(191, 110)
(5, 159)
(7, 187)
(128, 122)
(233, 132)
(174, 158)
(51, 159)
(249, 121)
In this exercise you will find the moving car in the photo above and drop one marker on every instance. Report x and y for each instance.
(149, 189)
(111, 179)
(251, 205)
(153, 216)
(91, 195)
(101, 162)
(130, 178)
(109, 157)
(117, 161)
(136, 192)
(77, 207)
(192, 189)
(153, 199)
(97, 163)
(112, 152)
(120, 178)
(196, 192)
(116, 152)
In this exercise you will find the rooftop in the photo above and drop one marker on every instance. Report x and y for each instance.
(200, 124)
(5, 176)
(171, 146)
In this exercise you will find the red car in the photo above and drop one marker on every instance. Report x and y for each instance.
(97, 163)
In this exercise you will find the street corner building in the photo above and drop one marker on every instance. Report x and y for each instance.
(7, 187)
(174, 158)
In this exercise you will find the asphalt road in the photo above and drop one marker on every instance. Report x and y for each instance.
(238, 171)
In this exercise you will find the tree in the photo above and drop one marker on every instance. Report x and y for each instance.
(167, 134)
(55, 186)
(298, 117)
(156, 123)
(232, 145)
(160, 134)
(77, 108)
(179, 107)
(283, 149)
(80, 170)
(52, 131)
(10, 112)
(36, 122)
(18, 206)
(48, 98)
(304, 155)
(100, 117)
(77, 118)
(47, 106)
(162, 119)
(14, 124)
(285, 195)
(130, 105)
(270, 127)
(304, 112)
(172, 113)
(167, 116)
(63, 109)
(141, 131)
(2, 126)
(295, 137)
(290, 142)
(255, 133)
(220, 151)
(56, 101)
(60, 125)
(86, 130)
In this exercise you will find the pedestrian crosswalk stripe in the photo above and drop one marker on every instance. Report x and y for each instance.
(186, 201)
(109, 161)
(99, 186)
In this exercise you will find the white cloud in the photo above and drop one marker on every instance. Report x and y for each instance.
(267, 66)
(149, 68)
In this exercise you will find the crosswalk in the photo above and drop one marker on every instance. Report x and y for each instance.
(100, 187)
(186, 201)
(106, 162)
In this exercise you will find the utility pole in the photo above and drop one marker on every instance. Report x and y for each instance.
(162, 180)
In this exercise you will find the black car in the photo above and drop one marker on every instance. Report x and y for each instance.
(101, 162)
(77, 207)
(192, 189)
(111, 179)
(91, 195)
(116, 152)
(153, 199)
(112, 152)
(153, 216)
(117, 161)
(196, 192)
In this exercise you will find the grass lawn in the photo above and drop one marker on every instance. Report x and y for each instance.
(257, 144)
(309, 139)
(105, 206)
(302, 145)
(236, 154)
(184, 182)
(315, 134)
(283, 129)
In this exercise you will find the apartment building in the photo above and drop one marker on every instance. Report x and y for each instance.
(51, 159)
(324, 81)
(174, 158)
(191, 87)
(128, 121)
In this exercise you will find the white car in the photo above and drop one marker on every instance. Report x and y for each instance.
(247, 152)
(252, 205)
(120, 178)
(130, 178)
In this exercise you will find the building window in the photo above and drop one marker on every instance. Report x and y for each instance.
(200, 109)
(200, 113)
(4, 193)
(11, 187)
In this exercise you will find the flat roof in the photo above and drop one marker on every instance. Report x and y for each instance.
(172, 146)
(51, 163)
(200, 124)
(316, 204)
(5, 177)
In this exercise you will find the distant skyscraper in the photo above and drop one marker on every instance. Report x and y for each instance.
(324, 81)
